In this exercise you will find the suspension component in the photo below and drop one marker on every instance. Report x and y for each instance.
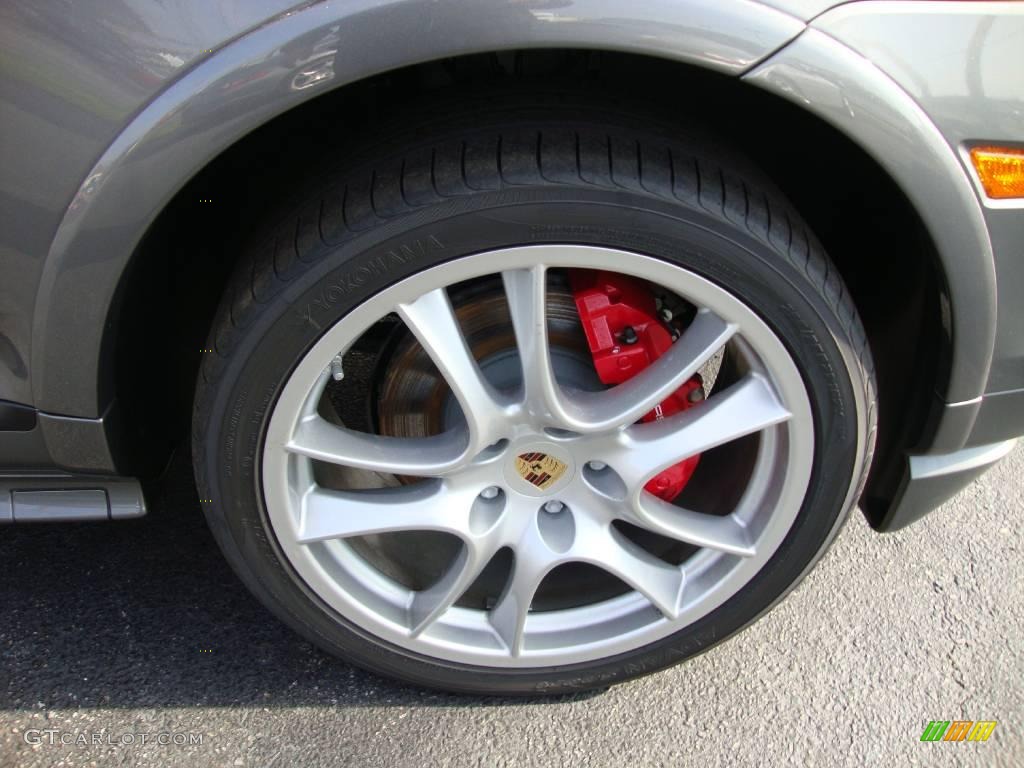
(626, 333)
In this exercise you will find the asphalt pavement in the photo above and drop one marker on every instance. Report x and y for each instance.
(115, 632)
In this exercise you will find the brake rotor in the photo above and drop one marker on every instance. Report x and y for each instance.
(415, 401)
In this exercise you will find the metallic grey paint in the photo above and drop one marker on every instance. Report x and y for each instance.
(963, 63)
(239, 86)
(1000, 416)
(63, 506)
(108, 107)
(848, 91)
(61, 498)
(72, 75)
(931, 480)
(803, 9)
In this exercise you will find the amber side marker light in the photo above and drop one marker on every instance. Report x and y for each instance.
(1001, 170)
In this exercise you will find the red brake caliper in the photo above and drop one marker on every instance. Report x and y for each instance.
(625, 335)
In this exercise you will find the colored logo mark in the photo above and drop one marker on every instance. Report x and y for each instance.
(539, 469)
(958, 730)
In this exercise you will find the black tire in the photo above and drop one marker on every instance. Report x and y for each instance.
(494, 179)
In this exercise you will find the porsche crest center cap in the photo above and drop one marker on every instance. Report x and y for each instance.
(538, 471)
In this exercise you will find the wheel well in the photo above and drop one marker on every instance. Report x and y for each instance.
(873, 235)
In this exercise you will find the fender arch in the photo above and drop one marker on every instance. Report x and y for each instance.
(830, 80)
(288, 61)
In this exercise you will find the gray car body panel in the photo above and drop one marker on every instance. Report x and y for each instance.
(110, 109)
(72, 273)
(72, 76)
(912, 84)
(964, 64)
(804, 9)
(831, 80)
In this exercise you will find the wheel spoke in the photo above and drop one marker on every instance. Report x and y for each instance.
(723, 533)
(318, 438)
(526, 292)
(428, 506)
(627, 402)
(655, 579)
(430, 604)
(644, 450)
(508, 617)
(432, 320)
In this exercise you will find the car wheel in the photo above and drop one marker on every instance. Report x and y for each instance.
(413, 458)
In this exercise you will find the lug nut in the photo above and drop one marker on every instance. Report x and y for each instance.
(490, 492)
(597, 466)
(553, 507)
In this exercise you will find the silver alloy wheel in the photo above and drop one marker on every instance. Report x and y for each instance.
(608, 458)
